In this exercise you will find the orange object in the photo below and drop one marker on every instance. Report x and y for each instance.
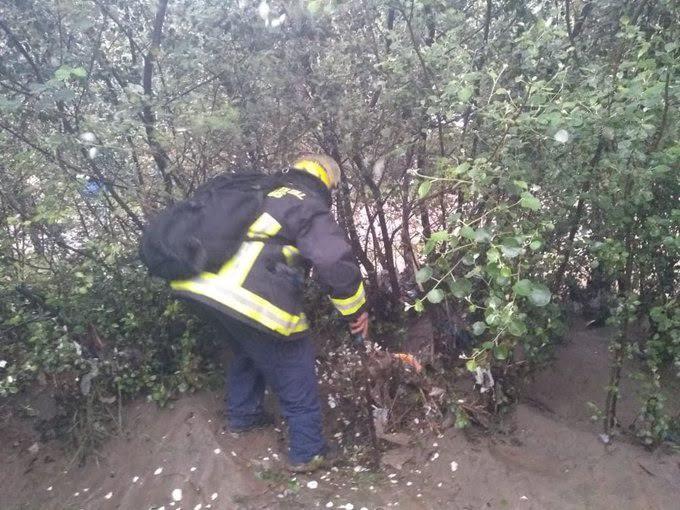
(409, 359)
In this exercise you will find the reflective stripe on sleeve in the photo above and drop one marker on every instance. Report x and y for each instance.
(350, 305)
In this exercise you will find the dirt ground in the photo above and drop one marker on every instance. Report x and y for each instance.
(546, 456)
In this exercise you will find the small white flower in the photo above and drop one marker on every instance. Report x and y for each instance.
(263, 10)
(92, 152)
(177, 495)
(279, 21)
(562, 136)
(331, 402)
(312, 484)
(88, 137)
(3, 363)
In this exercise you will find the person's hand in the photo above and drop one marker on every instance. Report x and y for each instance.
(360, 325)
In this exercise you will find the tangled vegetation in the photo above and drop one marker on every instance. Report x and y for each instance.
(501, 158)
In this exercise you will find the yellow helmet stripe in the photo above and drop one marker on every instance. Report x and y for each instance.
(315, 169)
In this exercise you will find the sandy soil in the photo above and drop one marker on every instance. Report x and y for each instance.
(549, 457)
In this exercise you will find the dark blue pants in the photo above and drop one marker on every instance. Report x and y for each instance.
(287, 367)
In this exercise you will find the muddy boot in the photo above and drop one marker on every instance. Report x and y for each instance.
(264, 421)
(324, 460)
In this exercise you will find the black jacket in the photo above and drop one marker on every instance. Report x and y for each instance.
(263, 283)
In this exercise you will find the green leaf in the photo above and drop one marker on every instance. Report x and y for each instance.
(424, 189)
(535, 245)
(462, 419)
(511, 248)
(63, 73)
(465, 93)
(471, 365)
(478, 328)
(501, 352)
(528, 201)
(439, 236)
(435, 296)
(80, 72)
(540, 295)
(517, 327)
(467, 232)
(461, 169)
(461, 287)
(492, 318)
(503, 281)
(423, 274)
(521, 184)
(523, 287)
(419, 306)
(482, 236)
(469, 259)
(493, 255)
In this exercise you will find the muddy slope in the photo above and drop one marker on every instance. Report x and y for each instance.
(550, 457)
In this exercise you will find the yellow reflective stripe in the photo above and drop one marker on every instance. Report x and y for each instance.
(238, 267)
(348, 306)
(266, 225)
(289, 253)
(315, 169)
(247, 303)
(282, 192)
(225, 287)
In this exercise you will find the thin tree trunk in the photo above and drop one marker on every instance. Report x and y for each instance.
(148, 117)
(577, 216)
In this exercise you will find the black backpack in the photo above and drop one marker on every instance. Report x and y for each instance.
(205, 231)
